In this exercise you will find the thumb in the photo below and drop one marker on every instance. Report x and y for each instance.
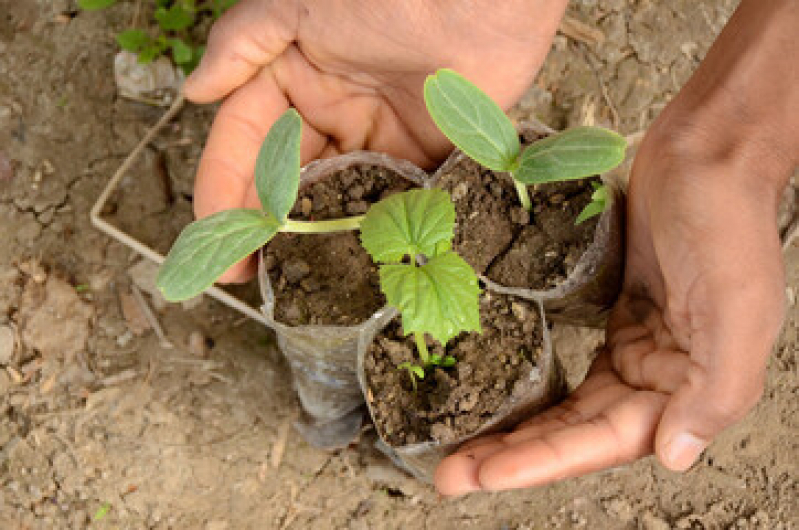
(730, 346)
(247, 38)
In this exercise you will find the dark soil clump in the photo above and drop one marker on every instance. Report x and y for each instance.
(513, 247)
(450, 403)
(328, 279)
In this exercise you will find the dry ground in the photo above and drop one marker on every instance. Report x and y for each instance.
(96, 415)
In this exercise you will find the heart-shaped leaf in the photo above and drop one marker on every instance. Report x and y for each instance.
(472, 120)
(440, 298)
(408, 224)
(208, 247)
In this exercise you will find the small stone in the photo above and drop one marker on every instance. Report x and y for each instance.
(295, 270)
(519, 311)
(649, 521)
(460, 191)
(197, 344)
(357, 207)
(557, 198)
(306, 205)
(356, 192)
(7, 344)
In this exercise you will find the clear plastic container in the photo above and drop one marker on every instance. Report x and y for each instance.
(545, 388)
(324, 359)
(584, 298)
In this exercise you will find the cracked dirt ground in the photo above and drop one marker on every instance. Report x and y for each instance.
(98, 416)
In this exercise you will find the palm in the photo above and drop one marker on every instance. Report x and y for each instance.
(685, 351)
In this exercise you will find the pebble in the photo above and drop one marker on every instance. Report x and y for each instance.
(7, 344)
(356, 192)
(306, 206)
(651, 522)
(295, 270)
(460, 191)
(197, 344)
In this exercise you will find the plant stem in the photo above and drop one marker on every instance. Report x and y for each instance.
(322, 227)
(524, 197)
(421, 347)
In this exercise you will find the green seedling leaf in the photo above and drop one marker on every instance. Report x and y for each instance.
(472, 120)
(577, 153)
(93, 5)
(440, 298)
(277, 169)
(181, 52)
(448, 361)
(101, 512)
(133, 40)
(599, 203)
(175, 18)
(208, 247)
(408, 224)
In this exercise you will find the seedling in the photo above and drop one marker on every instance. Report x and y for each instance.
(478, 127)
(174, 20)
(208, 247)
(410, 235)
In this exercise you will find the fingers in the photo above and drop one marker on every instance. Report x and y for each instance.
(620, 434)
(736, 307)
(726, 378)
(248, 37)
(225, 175)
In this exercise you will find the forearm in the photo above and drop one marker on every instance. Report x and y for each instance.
(743, 101)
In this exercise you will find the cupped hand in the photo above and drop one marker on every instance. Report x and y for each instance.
(354, 69)
(701, 307)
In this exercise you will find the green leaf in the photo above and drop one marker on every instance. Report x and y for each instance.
(408, 224)
(418, 371)
(133, 40)
(448, 361)
(93, 5)
(102, 511)
(599, 203)
(181, 52)
(175, 18)
(208, 247)
(277, 169)
(472, 120)
(577, 153)
(440, 298)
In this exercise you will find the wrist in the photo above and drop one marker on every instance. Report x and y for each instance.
(740, 106)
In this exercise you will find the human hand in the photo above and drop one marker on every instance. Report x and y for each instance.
(702, 300)
(354, 69)
(687, 342)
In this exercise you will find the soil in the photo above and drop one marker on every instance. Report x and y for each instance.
(329, 279)
(450, 403)
(198, 436)
(506, 243)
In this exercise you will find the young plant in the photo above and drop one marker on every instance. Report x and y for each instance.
(174, 20)
(410, 235)
(208, 247)
(478, 127)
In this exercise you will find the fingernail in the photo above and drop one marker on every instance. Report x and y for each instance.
(683, 451)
